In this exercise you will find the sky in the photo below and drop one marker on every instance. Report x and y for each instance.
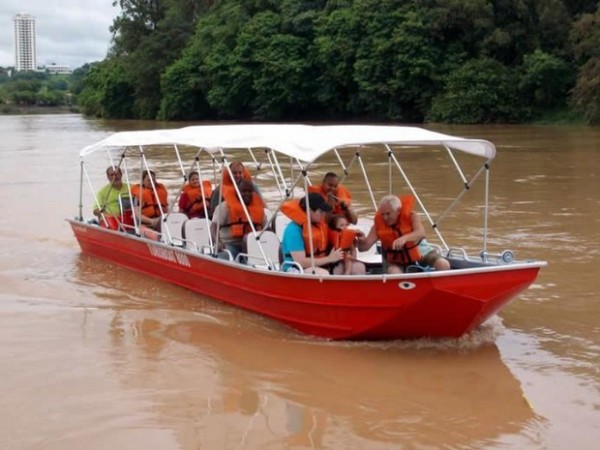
(71, 32)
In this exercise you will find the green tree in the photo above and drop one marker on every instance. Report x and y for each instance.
(149, 35)
(586, 40)
(108, 91)
(118, 100)
(546, 80)
(554, 26)
(27, 98)
(206, 69)
(514, 33)
(283, 84)
(338, 35)
(49, 97)
(577, 7)
(396, 63)
(482, 91)
(184, 95)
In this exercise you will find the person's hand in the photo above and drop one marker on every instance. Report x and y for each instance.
(360, 236)
(399, 243)
(336, 254)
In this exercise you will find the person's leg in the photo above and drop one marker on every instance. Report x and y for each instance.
(394, 268)
(435, 260)
(149, 233)
(317, 271)
(339, 269)
(441, 264)
(233, 249)
(358, 268)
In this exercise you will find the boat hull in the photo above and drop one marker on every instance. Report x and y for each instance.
(374, 307)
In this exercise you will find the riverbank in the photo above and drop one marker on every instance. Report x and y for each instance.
(16, 110)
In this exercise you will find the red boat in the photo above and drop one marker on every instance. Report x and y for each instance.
(374, 306)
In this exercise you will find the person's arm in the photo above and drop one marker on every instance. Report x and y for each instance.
(215, 198)
(334, 256)
(219, 219)
(415, 235)
(343, 198)
(164, 202)
(183, 203)
(366, 242)
(349, 212)
(100, 196)
(216, 221)
(293, 243)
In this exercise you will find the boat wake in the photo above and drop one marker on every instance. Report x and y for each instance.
(484, 335)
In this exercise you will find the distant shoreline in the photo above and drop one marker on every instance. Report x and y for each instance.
(11, 110)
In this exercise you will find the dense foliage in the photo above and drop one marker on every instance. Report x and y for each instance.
(35, 88)
(464, 61)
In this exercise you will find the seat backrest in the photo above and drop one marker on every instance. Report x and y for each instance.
(174, 223)
(268, 215)
(197, 231)
(269, 242)
(281, 221)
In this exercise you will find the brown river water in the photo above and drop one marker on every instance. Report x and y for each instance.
(98, 357)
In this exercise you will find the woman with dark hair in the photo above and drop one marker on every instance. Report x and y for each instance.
(298, 242)
(151, 196)
(195, 198)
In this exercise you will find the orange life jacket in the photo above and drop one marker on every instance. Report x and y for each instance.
(227, 183)
(319, 232)
(191, 199)
(342, 239)
(238, 221)
(148, 200)
(409, 254)
(341, 193)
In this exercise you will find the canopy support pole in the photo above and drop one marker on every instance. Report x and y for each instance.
(414, 193)
(485, 214)
(81, 190)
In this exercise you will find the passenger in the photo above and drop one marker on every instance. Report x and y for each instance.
(402, 236)
(239, 173)
(295, 244)
(151, 205)
(191, 201)
(110, 197)
(231, 220)
(337, 196)
(344, 238)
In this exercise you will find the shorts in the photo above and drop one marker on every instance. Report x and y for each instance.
(430, 258)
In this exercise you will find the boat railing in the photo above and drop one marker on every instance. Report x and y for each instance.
(460, 259)
(294, 264)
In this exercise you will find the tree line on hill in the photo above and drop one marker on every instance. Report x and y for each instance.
(33, 88)
(459, 61)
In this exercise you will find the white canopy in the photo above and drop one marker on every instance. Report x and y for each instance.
(304, 142)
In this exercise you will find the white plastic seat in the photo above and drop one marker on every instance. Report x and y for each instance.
(371, 256)
(268, 214)
(174, 224)
(269, 242)
(281, 221)
(196, 234)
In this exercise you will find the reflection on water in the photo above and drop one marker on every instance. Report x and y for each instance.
(249, 390)
(248, 385)
(99, 357)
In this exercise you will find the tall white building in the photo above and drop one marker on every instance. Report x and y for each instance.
(25, 50)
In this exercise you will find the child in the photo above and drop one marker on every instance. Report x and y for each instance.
(342, 237)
